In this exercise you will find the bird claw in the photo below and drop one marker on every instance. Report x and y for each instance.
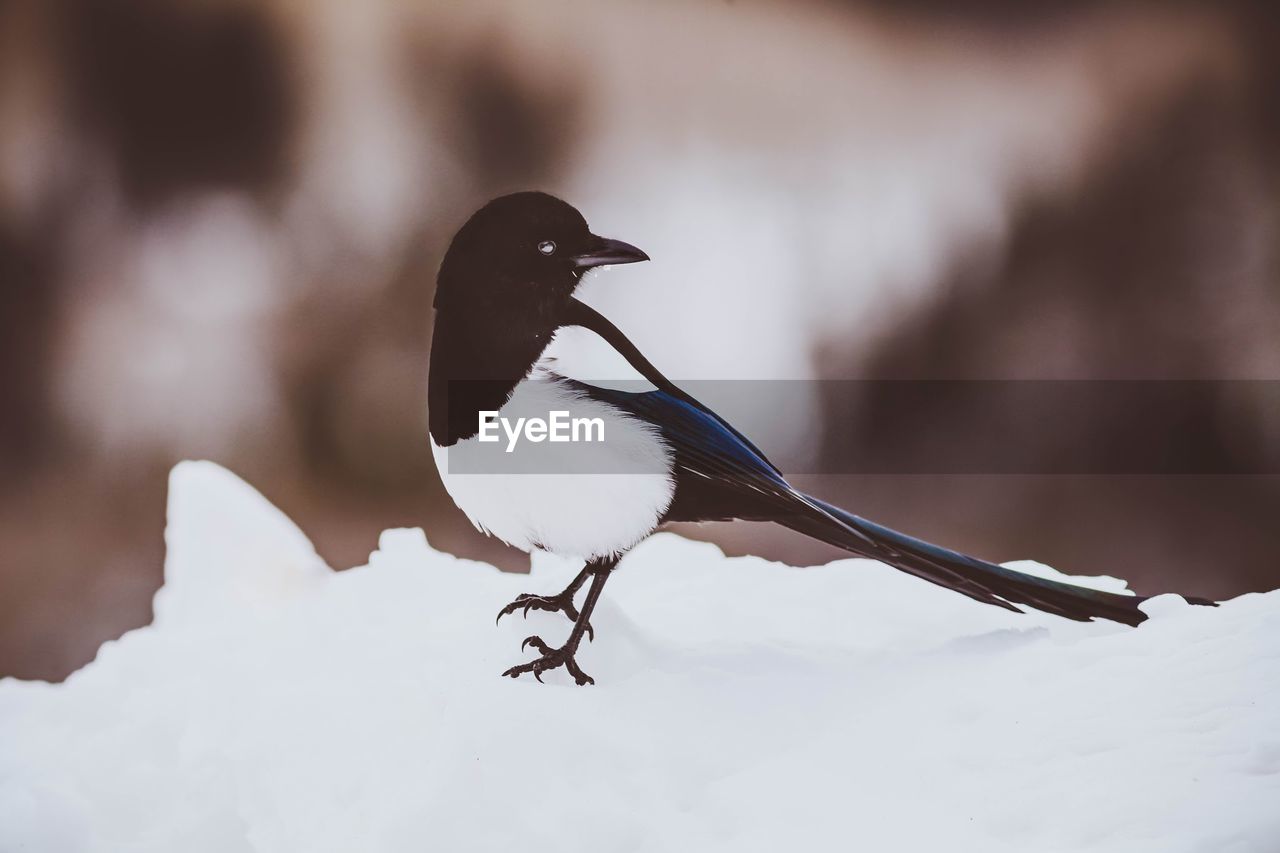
(562, 603)
(551, 658)
(537, 643)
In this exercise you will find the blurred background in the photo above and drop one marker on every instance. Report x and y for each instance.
(220, 223)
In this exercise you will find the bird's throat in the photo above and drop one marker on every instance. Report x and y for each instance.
(475, 365)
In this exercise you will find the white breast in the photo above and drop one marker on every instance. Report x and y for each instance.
(584, 499)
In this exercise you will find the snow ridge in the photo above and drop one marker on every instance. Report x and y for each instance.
(275, 705)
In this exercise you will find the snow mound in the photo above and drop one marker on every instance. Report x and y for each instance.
(741, 705)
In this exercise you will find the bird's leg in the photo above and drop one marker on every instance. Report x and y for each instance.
(563, 656)
(562, 602)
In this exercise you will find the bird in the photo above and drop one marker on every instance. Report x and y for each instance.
(504, 299)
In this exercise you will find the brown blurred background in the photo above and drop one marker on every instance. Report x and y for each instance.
(220, 222)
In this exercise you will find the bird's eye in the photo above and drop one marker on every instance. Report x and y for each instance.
(547, 247)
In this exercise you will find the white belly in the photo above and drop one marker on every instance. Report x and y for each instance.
(584, 499)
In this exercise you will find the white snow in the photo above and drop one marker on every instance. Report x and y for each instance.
(740, 705)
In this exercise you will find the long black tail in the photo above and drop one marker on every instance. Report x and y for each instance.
(978, 579)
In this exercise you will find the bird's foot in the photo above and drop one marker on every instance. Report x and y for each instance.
(551, 658)
(562, 603)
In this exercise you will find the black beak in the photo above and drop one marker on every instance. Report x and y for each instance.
(604, 251)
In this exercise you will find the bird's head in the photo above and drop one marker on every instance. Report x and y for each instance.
(525, 251)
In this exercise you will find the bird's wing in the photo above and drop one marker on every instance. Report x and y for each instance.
(581, 314)
(703, 443)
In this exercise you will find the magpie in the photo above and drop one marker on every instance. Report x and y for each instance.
(504, 299)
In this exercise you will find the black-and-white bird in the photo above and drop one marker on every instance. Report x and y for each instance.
(504, 298)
